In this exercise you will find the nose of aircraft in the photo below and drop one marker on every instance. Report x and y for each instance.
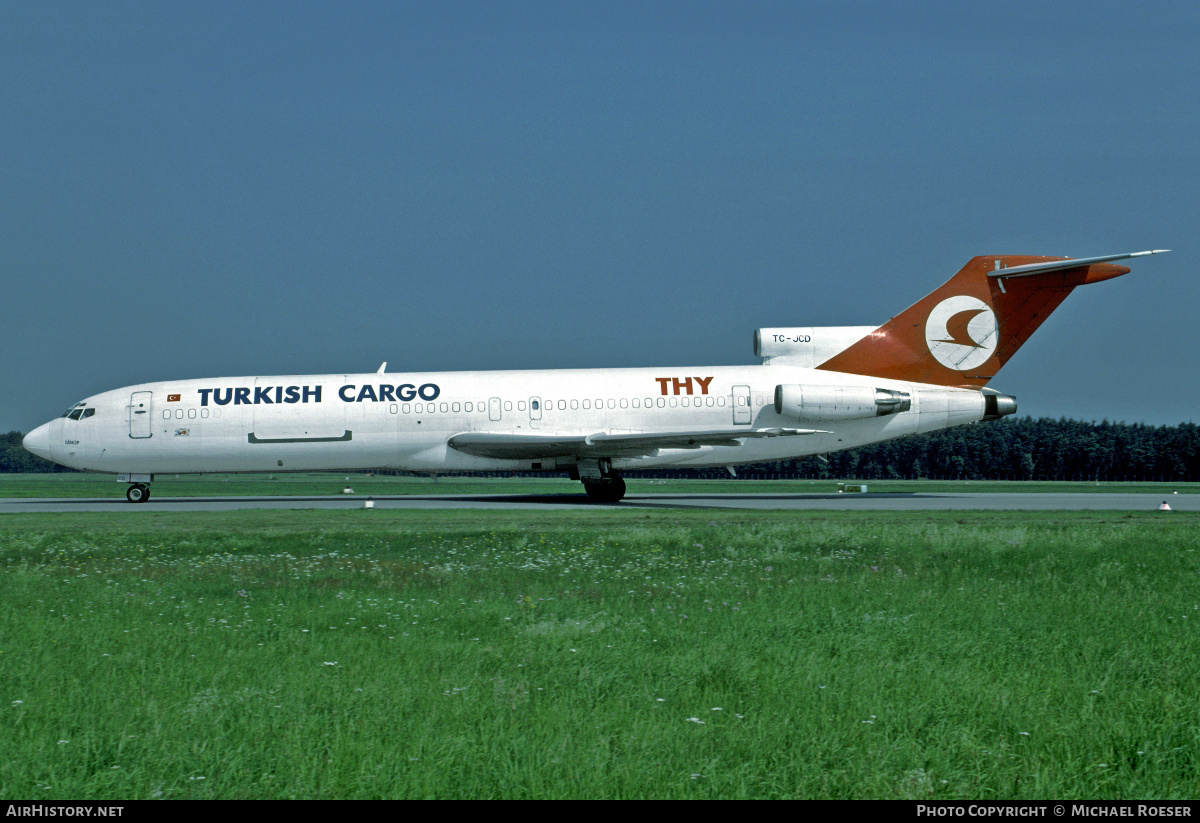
(38, 441)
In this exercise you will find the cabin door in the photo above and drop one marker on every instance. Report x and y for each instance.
(741, 405)
(139, 414)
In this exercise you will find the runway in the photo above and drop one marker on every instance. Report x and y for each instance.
(551, 502)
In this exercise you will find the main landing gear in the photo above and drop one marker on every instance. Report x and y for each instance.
(609, 490)
(137, 493)
(602, 484)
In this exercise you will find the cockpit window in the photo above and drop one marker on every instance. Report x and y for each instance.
(88, 413)
(74, 415)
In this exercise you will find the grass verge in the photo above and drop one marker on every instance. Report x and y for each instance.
(615, 653)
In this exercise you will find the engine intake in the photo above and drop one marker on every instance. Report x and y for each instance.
(838, 402)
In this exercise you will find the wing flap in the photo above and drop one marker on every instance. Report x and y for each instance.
(604, 444)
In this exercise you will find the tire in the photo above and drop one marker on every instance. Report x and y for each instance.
(606, 491)
(137, 493)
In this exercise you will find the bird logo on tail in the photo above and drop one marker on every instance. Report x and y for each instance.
(961, 332)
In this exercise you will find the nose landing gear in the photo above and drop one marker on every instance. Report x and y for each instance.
(137, 493)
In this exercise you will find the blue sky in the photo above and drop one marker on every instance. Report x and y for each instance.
(206, 189)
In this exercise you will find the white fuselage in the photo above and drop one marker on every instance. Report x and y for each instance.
(404, 421)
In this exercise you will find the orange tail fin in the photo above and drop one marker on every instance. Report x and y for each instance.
(962, 333)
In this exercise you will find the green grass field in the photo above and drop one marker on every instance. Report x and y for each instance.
(320, 484)
(608, 653)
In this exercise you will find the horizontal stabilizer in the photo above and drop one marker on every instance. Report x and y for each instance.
(602, 444)
(1070, 263)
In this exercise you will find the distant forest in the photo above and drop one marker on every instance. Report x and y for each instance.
(13, 458)
(1011, 449)
(1007, 449)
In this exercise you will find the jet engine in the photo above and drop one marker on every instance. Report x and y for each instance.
(838, 402)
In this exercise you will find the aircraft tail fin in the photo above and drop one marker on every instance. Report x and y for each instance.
(962, 333)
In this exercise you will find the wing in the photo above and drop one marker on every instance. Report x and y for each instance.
(603, 444)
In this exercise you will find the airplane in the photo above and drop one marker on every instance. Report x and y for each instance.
(817, 390)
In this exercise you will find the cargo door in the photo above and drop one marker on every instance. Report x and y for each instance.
(311, 413)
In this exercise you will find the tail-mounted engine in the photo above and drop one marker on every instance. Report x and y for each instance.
(838, 402)
(996, 405)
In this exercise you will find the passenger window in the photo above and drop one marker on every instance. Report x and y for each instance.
(445, 408)
(204, 412)
(612, 404)
(419, 408)
(457, 407)
(179, 414)
(708, 401)
(661, 402)
(406, 408)
(587, 404)
(624, 403)
(574, 404)
(684, 401)
(721, 400)
(637, 402)
(191, 414)
(562, 405)
(508, 405)
(520, 405)
(467, 406)
(674, 402)
(166, 414)
(393, 408)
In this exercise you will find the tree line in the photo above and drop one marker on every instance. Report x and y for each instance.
(1009, 449)
(14, 458)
